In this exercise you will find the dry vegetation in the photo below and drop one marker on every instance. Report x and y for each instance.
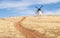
(33, 27)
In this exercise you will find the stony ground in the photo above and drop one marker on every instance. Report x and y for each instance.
(48, 26)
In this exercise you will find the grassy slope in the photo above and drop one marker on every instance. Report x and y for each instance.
(48, 26)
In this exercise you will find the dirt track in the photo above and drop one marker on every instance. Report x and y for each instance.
(27, 32)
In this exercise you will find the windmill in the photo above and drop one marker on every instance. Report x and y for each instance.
(39, 11)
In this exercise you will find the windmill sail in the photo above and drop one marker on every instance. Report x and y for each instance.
(39, 11)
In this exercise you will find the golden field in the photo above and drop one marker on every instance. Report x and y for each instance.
(46, 25)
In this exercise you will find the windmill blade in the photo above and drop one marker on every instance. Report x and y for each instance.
(41, 6)
(36, 7)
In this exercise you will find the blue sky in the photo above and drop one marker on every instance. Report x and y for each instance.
(10, 8)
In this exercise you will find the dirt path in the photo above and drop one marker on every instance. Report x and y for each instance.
(27, 32)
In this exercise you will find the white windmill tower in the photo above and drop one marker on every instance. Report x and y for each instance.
(39, 11)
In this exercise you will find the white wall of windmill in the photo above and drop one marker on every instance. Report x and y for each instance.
(39, 13)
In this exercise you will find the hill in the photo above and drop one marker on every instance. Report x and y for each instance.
(47, 25)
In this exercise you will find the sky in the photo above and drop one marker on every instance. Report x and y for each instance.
(10, 8)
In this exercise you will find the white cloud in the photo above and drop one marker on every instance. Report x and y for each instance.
(25, 3)
(49, 1)
(55, 12)
(10, 5)
(41, 1)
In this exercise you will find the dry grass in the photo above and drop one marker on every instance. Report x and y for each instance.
(48, 26)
